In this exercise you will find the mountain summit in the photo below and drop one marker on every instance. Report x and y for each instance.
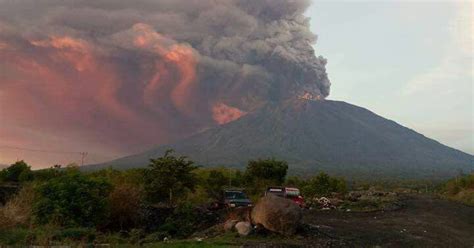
(312, 135)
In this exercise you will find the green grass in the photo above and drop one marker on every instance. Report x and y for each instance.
(191, 244)
(46, 235)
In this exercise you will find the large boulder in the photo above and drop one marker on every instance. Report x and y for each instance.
(277, 214)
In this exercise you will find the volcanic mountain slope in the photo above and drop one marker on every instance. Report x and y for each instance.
(317, 135)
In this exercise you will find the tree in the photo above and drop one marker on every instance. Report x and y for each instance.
(72, 200)
(17, 172)
(262, 173)
(48, 174)
(168, 178)
(125, 201)
(295, 181)
(215, 182)
(324, 185)
(267, 169)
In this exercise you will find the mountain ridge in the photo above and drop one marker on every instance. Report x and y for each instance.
(333, 136)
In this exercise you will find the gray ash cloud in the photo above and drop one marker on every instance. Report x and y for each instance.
(246, 53)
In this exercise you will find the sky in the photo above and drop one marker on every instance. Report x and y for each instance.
(111, 81)
(408, 61)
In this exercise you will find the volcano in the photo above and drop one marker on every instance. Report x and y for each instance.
(331, 136)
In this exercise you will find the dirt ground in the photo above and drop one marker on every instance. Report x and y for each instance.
(423, 221)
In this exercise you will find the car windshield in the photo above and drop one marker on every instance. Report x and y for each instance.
(276, 191)
(235, 195)
(292, 193)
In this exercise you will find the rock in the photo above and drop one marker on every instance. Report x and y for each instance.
(336, 202)
(277, 214)
(228, 225)
(243, 228)
(354, 196)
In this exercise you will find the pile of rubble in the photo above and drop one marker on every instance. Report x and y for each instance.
(363, 200)
(326, 203)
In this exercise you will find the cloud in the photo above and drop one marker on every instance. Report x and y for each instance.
(132, 74)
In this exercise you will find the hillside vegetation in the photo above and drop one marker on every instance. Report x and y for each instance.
(460, 189)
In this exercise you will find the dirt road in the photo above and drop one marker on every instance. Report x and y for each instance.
(424, 221)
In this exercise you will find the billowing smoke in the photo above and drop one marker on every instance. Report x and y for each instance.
(130, 74)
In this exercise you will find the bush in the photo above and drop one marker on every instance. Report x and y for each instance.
(324, 185)
(266, 169)
(125, 201)
(17, 172)
(183, 221)
(17, 211)
(72, 200)
(47, 174)
(215, 182)
(460, 189)
(262, 173)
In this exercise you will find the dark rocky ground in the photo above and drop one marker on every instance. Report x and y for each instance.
(422, 221)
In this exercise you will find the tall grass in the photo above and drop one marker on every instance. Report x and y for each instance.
(460, 189)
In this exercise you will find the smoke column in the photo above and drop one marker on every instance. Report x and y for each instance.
(119, 76)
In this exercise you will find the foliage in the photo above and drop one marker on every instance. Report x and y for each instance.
(182, 222)
(460, 189)
(295, 181)
(48, 174)
(324, 185)
(17, 172)
(67, 206)
(17, 211)
(72, 200)
(262, 173)
(46, 236)
(125, 201)
(266, 169)
(118, 177)
(168, 178)
(215, 182)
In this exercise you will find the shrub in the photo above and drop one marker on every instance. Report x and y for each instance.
(324, 185)
(215, 182)
(72, 200)
(460, 189)
(262, 173)
(47, 174)
(17, 211)
(125, 201)
(267, 169)
(17, 172)
(183, 221)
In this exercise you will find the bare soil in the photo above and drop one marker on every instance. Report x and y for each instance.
(423, 221)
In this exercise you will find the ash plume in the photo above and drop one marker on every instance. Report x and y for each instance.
(131, 74)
